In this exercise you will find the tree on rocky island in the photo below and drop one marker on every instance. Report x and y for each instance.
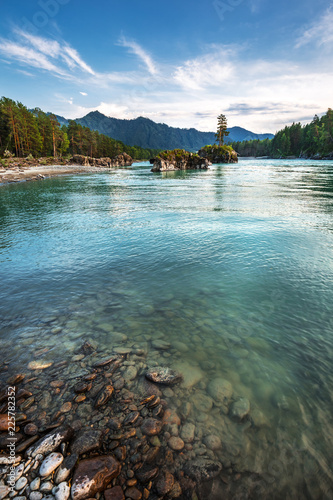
(221, 129)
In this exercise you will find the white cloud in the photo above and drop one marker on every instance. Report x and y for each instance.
(320, 33)
(136, 49)
(83, 93)
(29, 57)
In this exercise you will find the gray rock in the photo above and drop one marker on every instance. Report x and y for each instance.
(35, 484)
(21, 483)
(160, 345)
(46, 487)
(130, 373)
(163, 375)
(239, 409)
(176, 443)
(187, 432)
(62, 491)
(212, 442)
(87, 440)
(220, 390)
(35, 495)
(51, 441)
(50, 463)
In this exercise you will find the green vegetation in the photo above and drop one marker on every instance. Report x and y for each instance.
(217, 150)
(315, 138)
(24, 133)
(221, 129)
(176, 155)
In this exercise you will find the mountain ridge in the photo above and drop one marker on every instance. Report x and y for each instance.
(146, 133)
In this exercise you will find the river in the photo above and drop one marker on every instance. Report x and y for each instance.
(232, 268)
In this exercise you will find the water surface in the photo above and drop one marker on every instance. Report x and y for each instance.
(232, 266)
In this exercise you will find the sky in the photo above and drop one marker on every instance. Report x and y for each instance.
(264, 64)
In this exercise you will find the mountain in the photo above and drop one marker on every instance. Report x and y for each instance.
(148, 134)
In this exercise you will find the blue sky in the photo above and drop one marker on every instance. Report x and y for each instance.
(263, 64)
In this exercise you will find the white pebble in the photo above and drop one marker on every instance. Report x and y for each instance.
(50, 463)
(61, 492)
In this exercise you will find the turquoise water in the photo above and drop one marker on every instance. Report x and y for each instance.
(233, 267)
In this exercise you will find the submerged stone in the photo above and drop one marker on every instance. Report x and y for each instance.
(240, 409)
(163, 375)
(202, 469)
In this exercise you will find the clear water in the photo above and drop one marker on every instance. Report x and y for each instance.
(233, 267)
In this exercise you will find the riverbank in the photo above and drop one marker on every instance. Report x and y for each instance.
(37, 173)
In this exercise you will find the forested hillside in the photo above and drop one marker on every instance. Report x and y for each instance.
(24, 132)
(313, 139)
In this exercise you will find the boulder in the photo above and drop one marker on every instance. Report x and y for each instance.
(93, 475)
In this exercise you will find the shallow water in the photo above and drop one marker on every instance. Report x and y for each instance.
(233, 267)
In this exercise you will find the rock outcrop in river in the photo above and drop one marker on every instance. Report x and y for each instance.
(122, 160)
(219, 154)
(178, 159)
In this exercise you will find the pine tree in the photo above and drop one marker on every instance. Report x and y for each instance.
(221, 129)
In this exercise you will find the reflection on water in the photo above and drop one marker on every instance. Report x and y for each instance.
(232, 267)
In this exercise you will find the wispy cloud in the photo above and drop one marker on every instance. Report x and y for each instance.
(136, 49)
(83, 93)
(320, 33)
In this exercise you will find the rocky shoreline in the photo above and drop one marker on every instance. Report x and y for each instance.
(101, 427)
(20, 170)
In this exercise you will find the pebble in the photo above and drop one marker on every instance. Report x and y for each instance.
(50, 463)
(21, 483)
(212, 442)
(62, 491)
(130, 373)
(39, 365)
(163, 375)
(46, 487)
(187, 432)
(176, 443)
(220, 390)
(240, 409)
(151, 427)
(4, 490)
(35, 484)
(115, 493)
(36, 495)
(66, 407)
(30, 429)
(165, 483)
(133, 493)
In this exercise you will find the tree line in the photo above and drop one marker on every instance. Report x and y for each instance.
(315, 138)
(25, 132)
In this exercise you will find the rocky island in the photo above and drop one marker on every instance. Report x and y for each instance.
(178, 159)
(219, 154)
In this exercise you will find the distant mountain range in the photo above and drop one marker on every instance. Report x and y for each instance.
(148, 134)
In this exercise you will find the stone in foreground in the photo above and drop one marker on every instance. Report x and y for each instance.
(51, 441)
(163, 375)
(93, 475)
